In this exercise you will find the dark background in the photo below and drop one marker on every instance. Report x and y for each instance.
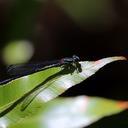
(55, 34)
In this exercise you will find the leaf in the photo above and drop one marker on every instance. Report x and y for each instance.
(55, 87)
(64, 113)
(47, 83)
(16, 89)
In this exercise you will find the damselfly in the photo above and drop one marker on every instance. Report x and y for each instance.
(19, 70)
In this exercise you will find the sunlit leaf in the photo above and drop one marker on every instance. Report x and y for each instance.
(47, 83)
(15, 89)
(64, 113)
(61, 83)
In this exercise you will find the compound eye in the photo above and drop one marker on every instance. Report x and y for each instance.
(76, 58)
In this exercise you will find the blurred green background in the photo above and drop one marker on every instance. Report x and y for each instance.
(38, 30)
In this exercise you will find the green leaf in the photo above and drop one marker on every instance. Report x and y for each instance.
(48, 84)
(61, 83)
(64, 113)
(16, 89)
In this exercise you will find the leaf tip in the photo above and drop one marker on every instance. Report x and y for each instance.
(123, 104)
(121, 58)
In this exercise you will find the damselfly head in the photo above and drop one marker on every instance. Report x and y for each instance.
(75, 58)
